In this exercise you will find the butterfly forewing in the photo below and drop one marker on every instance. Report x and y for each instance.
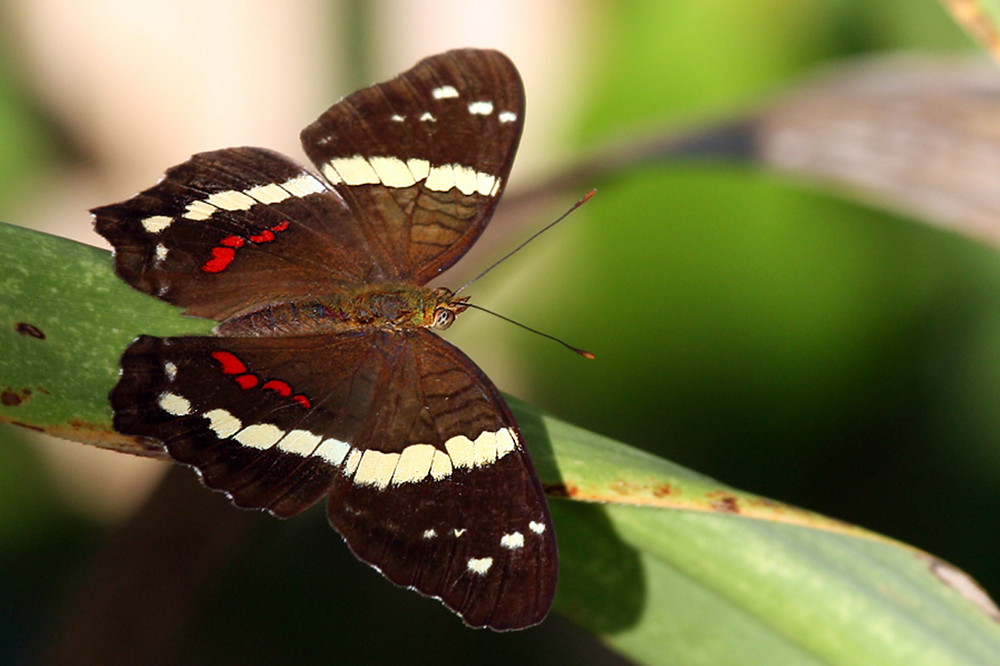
(423, 158)
(427, 477)
(193, 238)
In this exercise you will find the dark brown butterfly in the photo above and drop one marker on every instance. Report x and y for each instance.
(325, 377)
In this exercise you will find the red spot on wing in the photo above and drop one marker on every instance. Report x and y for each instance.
(278, 386)
(247, 381)
(265, 236)
(224, 253)
(231, 364)
(221, 258)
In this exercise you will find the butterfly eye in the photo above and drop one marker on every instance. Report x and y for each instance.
(443, 318)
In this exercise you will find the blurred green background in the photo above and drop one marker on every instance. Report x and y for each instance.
(778, 338)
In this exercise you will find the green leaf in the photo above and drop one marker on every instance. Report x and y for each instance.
(667, 565)
(696, 572)
(65, 319)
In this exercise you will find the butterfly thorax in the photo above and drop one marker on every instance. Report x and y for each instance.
(390, 307)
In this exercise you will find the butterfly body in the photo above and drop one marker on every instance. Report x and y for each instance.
(324, 377)
(390, 307)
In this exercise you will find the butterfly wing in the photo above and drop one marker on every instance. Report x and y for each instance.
(427, 477)
(225, 217)
(475, 532)
(416, 165)
(422, 159)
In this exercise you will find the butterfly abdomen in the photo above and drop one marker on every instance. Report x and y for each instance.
(389, 307)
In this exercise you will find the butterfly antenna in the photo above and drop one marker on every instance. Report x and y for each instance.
(582, 352)
(517, 249)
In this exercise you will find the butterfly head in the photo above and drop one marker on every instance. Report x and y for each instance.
(443, 308)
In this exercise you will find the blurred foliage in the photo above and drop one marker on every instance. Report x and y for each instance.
(30, 144)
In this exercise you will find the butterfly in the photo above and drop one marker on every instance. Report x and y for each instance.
(324, 377)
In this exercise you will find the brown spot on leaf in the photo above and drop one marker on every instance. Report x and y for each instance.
(24, 328)
(560, 490)
(663, 490)
(726, 504)
(10, 398)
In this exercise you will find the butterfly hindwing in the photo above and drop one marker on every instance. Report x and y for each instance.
(423, 158)
(427, 478)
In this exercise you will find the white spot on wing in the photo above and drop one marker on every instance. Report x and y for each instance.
(160, 253)
(157, 223)
(427, 117)
(458, 533)
(512, 541)
(481, 565)
(170, 370)
(230, 200)
(333, 451)
(303, 186)
(331, 174)
(352, 462)
(267, 193)
(199, 210)
(259, 436)
(396, 118)
(465, 178)
(507, 116)
(414, 463)
(446, 176)
(418, 167)
(299, 442)
(440, 466)
(222, 423)
(461, 450)
(485, 451)
(481, 108)
(537, 528)
(444, 92)
(376, 469)
(176, 405)
(271, 193)
(441, 178)
(392, 171)
(430, 534)
(506, 442)
(354, 170)
(485, 184)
